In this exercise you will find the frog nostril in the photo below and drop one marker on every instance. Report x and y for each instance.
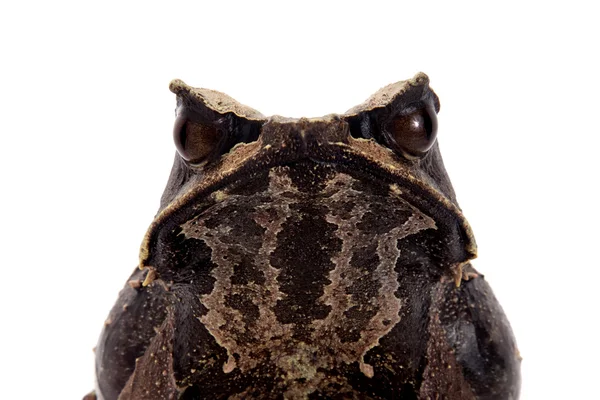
(360, 127)
(239, 132)
(355, 128)
(250, 132)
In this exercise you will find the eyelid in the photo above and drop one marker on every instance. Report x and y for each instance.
(413, 107)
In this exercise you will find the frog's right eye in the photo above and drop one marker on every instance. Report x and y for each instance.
(194, 140)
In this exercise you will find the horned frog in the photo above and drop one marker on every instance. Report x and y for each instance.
(308, 258)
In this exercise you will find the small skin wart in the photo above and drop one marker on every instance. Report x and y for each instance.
(394, 188)
(150, 277)
(219, 195)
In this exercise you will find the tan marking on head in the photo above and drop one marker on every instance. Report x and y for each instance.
(386, 159)
(343, 276)
(301, 364)
(245, 152)
(224, 323)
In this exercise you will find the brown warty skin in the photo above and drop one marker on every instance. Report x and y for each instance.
(322, 258)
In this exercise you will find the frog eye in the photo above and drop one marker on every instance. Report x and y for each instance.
(194, 140)
(414, 133)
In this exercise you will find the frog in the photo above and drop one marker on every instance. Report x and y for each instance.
(307, 258)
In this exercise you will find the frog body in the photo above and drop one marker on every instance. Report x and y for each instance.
(308, 258)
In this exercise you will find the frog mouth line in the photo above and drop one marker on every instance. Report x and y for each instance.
(370, 160)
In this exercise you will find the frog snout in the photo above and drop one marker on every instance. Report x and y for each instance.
(305, 137)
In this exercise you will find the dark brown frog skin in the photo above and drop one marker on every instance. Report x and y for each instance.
(319, 258)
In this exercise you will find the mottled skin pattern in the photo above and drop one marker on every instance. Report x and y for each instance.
(306, 259)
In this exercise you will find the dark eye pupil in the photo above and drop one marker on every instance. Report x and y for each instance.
(415, 133)
(194, 141)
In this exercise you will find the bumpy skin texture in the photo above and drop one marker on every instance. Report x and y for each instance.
(308, 259)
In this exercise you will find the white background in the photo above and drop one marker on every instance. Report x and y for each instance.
(86, 149)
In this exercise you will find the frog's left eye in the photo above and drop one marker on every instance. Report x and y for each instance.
(194, 140)
(414, 133)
